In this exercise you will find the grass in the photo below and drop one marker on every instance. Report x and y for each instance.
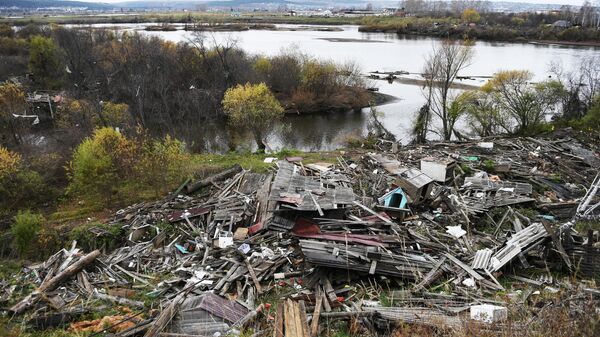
(9, 268)
(583, 226)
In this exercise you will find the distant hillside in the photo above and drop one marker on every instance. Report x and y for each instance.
(32, 4)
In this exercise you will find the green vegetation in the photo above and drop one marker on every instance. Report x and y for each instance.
(470, 15)
(489, 165)
(25, 227)
(492, 26)
(138, 164)
(591, 120)
(19, 186)
(181, 17)
(110, 238)
(45, 62)
(12, 102)
(584, 226)
(509, 103)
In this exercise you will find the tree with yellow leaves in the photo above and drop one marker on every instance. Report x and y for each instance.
(470, 15)
(9, 162)
(254, 107)
(12, 102)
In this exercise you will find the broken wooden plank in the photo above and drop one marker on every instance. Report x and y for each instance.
(54, 282)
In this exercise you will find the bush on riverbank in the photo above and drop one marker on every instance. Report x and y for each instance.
(490, 28)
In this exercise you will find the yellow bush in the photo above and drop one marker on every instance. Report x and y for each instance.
(9, 162)
(110, 166)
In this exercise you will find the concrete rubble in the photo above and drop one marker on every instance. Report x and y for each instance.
(436, 230)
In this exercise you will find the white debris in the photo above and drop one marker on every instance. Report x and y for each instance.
(488, 313)
(469, 282)
(456, 231)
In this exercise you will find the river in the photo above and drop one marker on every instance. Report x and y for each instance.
(382, 52)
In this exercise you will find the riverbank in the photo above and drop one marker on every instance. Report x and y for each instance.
(567, 43)
(417, 26)
(449, 27)
(347, 99)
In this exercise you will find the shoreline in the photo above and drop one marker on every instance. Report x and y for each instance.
(252, 22)
(378, 99)
(565, 43)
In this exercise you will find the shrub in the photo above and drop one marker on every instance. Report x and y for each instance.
(163, 164)
(9, 162)
(25, 228)
(100, 164)
(591, 121)
(113, 114)
(18, 186)
(46, 62)
(109, 166)
(110, 238)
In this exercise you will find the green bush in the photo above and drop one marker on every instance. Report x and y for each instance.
(163, 164)
(19, 187)
(46, 62)
(99, 165)
(110, 167)
(25, 227)
(591, 121)
(110, 237)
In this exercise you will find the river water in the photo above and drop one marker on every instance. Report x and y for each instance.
(382, 52)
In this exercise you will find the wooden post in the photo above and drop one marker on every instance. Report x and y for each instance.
(314, 327)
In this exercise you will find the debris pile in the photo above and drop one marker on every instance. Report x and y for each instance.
(425, 235)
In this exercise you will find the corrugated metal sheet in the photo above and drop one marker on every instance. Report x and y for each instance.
(488, 185)
(205, 315)
(228, 310)
(482, 259)
(292, 188)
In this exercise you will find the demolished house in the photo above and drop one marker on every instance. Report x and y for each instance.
(286, 252)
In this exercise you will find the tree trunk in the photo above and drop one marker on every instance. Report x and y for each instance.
(259, 141)
(13, 130)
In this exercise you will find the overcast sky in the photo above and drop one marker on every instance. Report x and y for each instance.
(562, 2)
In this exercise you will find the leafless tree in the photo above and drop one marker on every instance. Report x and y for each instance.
(581, 85)
(440, 71)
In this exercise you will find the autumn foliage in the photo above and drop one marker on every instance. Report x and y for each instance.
(108, 166)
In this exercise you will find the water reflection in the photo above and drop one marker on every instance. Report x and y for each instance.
(320, 131)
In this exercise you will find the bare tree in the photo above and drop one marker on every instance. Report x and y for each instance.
(441, 69)
(413, 6)
(581, 85)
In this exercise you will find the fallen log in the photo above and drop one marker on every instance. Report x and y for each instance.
(230, 172)
(54, 282)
